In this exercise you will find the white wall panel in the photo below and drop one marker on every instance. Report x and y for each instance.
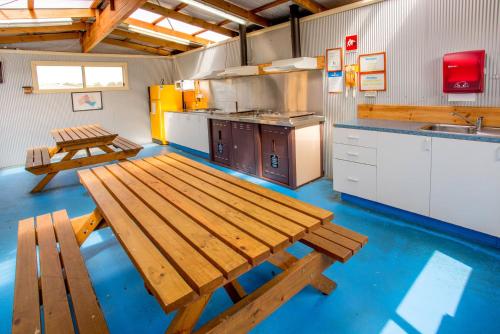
(26, 120)
(414, 33)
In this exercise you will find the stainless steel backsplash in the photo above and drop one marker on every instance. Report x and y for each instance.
(297, 91)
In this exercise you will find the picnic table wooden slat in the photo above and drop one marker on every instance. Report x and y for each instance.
(338, 239)
(306, 208)
(164, 281)
(195, 268)
(218, 253)
(79, 133)
(57, 315)
(45, 157)
(65, 136)
(37, 157)
(347, 233)
(26, 313)
(56, 135)
(88, 314)
(284, 211)
(271, 238)
(74, 136)
(292, 230)
(30, 157)
(240, 241)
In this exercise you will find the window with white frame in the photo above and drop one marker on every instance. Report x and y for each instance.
(53, 76)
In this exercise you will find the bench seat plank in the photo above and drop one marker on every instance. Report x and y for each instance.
(89, 317)
(26, 315)
(304, 207)
(125, 144)
(57, 315)
(37, 157)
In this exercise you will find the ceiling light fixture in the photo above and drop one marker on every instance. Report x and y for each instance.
(152, 33)
(35, 22)
(215, 11)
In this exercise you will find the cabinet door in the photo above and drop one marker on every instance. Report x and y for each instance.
(404, 171)
(275, 163)
(221, 141)
(466, 184)
(243, 153)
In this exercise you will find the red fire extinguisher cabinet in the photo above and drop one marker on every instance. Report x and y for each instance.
(463, 72)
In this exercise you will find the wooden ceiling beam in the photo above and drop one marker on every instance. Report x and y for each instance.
(151, 40)
(31, 4)
(268, 6)
(38, 38)
(47, 29)
(15, 14)
(107, 20)
(166, 31)
(150, 7)
(310, 5)
(238, 11)
(95, 3)
(136, 46)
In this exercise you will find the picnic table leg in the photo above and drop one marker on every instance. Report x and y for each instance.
(235, 291)
(53, 151)
(39, 187)
(88, 152)
(187, 317)
(258, 305)
(84, 225)
(284, 260)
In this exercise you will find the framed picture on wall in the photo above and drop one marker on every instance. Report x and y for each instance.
(86, 101)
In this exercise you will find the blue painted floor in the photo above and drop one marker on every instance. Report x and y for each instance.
(406, 280)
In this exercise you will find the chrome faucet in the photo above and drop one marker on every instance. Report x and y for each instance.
(479, 121)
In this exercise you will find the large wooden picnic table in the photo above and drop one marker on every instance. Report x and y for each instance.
(70, 141)
(190, 229)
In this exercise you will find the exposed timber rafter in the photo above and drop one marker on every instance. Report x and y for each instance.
(38, 38)
(107, 20)
(136, 46)
(163, 30)
(238, 11)
(45, 29)
(151, 40)
(150, 7)
(310, 5)
(15, 14)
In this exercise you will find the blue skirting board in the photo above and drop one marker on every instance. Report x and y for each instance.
(189, 150)
(428, 222)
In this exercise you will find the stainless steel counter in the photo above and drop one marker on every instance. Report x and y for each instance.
(294, 122)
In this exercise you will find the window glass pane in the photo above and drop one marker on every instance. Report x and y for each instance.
(179, 26)
(14, 4)
(63, 3)
(103, 76)
(59, 77)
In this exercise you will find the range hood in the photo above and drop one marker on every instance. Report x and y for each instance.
(298, 62)
(245, 69)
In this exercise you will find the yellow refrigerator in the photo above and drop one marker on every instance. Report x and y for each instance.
(162, 98)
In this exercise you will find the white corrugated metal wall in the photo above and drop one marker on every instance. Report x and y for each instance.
(414, 33)
(26, 120)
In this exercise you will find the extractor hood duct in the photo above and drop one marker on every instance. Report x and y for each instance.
(297, 62)
(244, 69)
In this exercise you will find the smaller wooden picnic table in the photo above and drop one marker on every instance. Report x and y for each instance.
(70, 141)
(190, 229)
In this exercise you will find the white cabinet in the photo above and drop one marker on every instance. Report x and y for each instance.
(404, 171)
(355, 137)
(466, 184)
(189, 129)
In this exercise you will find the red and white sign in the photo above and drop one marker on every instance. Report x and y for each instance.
(351, 43)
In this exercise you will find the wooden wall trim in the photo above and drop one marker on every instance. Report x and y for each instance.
(430, 114)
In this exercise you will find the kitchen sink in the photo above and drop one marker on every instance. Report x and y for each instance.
(462, 129)
(450, 128)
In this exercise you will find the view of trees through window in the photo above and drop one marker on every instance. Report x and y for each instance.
(79, 77)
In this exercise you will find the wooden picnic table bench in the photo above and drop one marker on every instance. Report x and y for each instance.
(70, 141)
(59, 285)
(190, 229)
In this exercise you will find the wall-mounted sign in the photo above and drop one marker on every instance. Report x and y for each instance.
(351, 43)
(351, 79)
(86, 101)
(372, 82)
(335, 82)
(334, 61)
(374, 62)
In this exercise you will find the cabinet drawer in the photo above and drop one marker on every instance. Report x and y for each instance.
(355, 137)
(355, 179)
(364, 155)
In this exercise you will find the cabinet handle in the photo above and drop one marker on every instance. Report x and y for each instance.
(352, 179)
(235, 147)
(274, 146)
(220, 134)
(427, 144)
(352, 154)
(353, 137)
